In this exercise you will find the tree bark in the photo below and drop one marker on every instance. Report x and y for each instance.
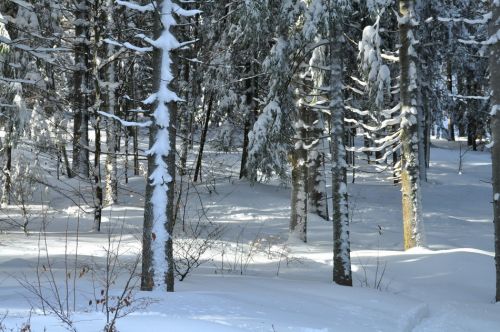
(298, 159)
(495, 131)
(203, 139)
(451, 111)
(410, 178)
(80, 86)
(7, 168)
(342, 274)
(158, 264)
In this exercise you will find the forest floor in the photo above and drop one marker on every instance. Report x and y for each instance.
(252, 277)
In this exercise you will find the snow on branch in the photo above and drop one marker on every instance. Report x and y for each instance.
(388, 141)
(490, 41)
(494, 110)
(24, 4)
(129, 46)
(357, 110)
(135, 6)
(126, 123)
(184, 12)
(389, 122)
(24, 47)
(469, 97)
(17, 80)
(7, 105)
(483, 20)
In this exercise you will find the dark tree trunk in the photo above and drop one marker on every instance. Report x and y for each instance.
(451, 108)
(80, 94)
(246, 141)
(495, 130)
(7, 168)
(203, 139)
(342, 273)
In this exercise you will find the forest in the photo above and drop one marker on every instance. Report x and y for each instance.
(283, 165)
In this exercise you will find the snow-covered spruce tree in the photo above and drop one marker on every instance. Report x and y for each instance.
(494, 41)
(157, 259)
(413, 233)
(15, 70)
(270, 138)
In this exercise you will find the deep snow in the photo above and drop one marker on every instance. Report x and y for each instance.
(255, 280)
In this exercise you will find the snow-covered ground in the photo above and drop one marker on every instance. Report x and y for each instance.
(252, 278)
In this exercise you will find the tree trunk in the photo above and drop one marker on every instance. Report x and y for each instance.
(410, 178)
(97, 176)
(203, 139)
(342, 274)
(147, 274)
(298, 204)
(7, 168)
(298, 159)
(244, 155)
(250, 92)
(111, 189)
(495, 130)
(451, 111)
(184, 117)
(158, 264)
(80, 86)
(316, 183)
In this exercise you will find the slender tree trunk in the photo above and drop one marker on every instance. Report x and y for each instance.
(111, 189)
(249, 118)
(7, 168)
(421, 140)
(203, 139)
(451, 111)
(342, 274)
(410, 178)
(80, 97)
(244, 155)
(147, 274)
(97, 176)
(184, 130)
(98, 52)
(298, 160)
(495, 130)
(316, 183)
(135, 130)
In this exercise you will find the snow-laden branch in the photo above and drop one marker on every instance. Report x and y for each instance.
(469, 97)
(16, 44)
(490, 41)
(494, 110)
(128, 45)
(135, 6)
(389, 112)
(24, 4)
(17, 80)
(387, 141)
(389, 122)
(7, 105)
(357, 110)
(126, 123)
(483, 20)
(184, 12)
